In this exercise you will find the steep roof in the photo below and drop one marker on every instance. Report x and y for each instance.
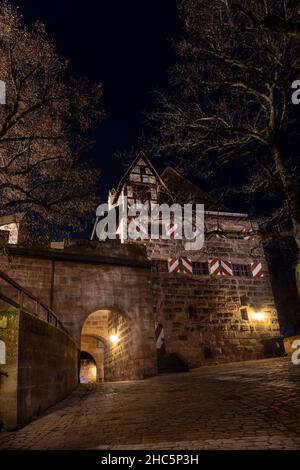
(185, 191)
(140, 156)
(175, 184)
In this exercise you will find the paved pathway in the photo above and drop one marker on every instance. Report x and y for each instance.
(248, 405)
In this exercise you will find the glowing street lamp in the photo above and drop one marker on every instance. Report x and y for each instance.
(259, 316)
(114, 338)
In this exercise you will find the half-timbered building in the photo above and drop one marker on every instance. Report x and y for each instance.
(209, 305)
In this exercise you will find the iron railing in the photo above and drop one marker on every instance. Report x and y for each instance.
(22, 295)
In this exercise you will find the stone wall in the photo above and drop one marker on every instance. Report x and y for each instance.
(202, 314)
(9, 335)
(92, 277)
(41, 367)
(96, 325)
(122, 359)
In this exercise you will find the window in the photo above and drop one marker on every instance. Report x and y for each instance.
(208, 354)
(143, 170)
(241, 270)
(200, 268)
(244, 314)
(192, 312)
(159, 266)
(135, 177)
(244, 299)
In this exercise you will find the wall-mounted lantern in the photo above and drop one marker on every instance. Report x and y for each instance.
(258, 316)
(114, 338)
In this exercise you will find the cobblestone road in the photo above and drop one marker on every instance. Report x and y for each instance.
(253, 405)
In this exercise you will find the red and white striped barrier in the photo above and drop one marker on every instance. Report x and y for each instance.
(214, 267)
(187, 265)
(172, 230)
(219, 234)
(173, 265)
(226, 268)
(249, 236)
(257, 269)
(159, 336)
(180, 265)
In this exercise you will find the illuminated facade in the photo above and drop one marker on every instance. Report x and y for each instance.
(210, 305)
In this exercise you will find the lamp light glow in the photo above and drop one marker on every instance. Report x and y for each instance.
(114, 338)
(259, 316)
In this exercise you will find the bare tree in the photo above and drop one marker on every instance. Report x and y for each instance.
(231, 111)
(44, 128)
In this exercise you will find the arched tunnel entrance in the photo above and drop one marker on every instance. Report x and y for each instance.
(88, 368)
(114, 344)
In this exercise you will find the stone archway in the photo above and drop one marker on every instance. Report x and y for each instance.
(116, 344)
(88, 368)
(95, 346)
(81, 281)
(94, 338)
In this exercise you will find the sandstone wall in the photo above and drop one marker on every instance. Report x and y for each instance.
(41, 367)
(201, 314)
(79, 284)
(122, 359)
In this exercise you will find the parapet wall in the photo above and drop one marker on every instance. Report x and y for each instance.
(40, 369)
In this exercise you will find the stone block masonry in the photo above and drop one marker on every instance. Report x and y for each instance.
(206, 318)
(93, 277)
(40, 367)
(210, 318)
(213, 304)
(122, 360)
(202, 320)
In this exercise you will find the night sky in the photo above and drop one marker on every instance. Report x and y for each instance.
(126, 45)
